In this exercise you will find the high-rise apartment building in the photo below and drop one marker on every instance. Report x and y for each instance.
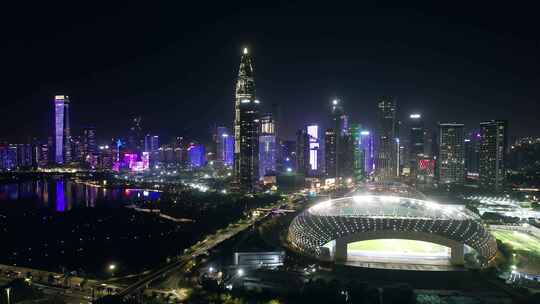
(62, 134)
(493, 145)
(451, 160)
(387, 163)
(472, 154)
(246, 126)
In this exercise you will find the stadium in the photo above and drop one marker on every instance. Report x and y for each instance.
(385, 229)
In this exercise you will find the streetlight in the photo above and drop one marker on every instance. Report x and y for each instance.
(112, 268)
(8, 298)
(240, 272)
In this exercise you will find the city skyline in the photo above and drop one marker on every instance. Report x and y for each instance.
(423, 77)
(339, 153)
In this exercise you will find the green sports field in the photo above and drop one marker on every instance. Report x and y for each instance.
(397, 246)
(518, 240)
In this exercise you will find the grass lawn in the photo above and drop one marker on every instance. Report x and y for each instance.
(397, 245)
(518, 240)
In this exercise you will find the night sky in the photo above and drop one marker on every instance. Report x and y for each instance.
(175, 65)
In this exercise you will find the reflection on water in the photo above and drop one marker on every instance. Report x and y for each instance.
(63, 194)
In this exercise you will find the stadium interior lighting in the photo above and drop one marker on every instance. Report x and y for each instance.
(365, 217)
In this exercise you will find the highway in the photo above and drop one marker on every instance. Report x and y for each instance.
(202, 247)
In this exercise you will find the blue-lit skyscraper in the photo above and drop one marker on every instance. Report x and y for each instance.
(196, 155)
(267, 146)
(62, 136)
(366, 144)
(8, 156)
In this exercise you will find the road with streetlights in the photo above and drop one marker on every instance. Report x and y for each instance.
(187, 261)
(71, 289)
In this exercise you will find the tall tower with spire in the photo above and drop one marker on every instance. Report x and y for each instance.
(246, 126)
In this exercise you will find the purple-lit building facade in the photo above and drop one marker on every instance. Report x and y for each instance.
(133, 162)
(366, 144)
(196, 155)
(62, 136)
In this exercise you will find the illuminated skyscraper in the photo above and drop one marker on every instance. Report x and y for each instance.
(416, 142)
(314, 145)
(493, 145)
(288, 149)
(43, 155)
(76, 149)
(89, 144)
(267, 146)
(8, 156)
(451, 162)
(387, 141)
(135, 139)
(302, 152)
(224, 146)
(358, 153)
(151, 145)
(366, 143)
(196, 155)
(330, 157)
(472, 154)
(246, 126)
(62, 135)
(340, 126)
